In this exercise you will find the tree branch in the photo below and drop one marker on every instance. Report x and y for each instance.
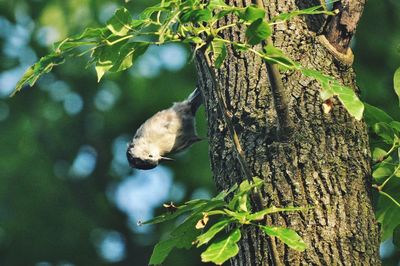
(340, 29)
(285, 124)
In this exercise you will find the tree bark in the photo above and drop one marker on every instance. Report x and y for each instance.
(325, 162)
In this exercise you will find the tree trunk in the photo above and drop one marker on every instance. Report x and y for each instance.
(324, 162)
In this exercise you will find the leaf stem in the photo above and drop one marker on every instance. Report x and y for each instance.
(380, 188)
(390, 197)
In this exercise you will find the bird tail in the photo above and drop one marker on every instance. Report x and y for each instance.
(195, 99)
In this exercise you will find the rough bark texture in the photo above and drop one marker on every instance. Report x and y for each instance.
(324, 163)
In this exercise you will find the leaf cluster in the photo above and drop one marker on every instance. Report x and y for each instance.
(217, 223)
(385, 147)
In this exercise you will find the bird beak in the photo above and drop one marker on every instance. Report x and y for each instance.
(166, 159)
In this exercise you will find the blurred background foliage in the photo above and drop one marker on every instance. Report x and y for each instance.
(67, 195)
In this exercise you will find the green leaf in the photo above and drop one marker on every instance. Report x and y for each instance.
(315, 10)
(162, 250)
(244, 188)
(396, 82)
(186, 233)
(395, 125)
(388, 212)
(120, 23)
(277, 56)
(128, 54)
(384, 131)
(212, 231)
(378, 154)
(192, 205)
(286, 235)
(382, 172)
(221, 251)
(117, 57)
(349, 100)
(219, 52)
(375, 115)
(258, 31)
(252, 13)
(195, 16)
(257, 216)
(213, 4)
(331, 87)
(34, 72)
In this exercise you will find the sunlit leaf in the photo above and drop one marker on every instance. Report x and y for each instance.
(33, 73)
(212, 231)
(331, 87)
(244, 187)
(315, 10)
(217, 4)
(120, 23)
(286, 235)
(219, 52)
(221, 251)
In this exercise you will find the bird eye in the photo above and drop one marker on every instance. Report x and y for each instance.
(150, 156)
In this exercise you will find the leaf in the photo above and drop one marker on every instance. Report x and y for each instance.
(219, 52)
(244, 188)
(258, 31)
(34, 72)
(117, 57)
(120, 23)
(162, 250)
(349, 100)
(331, 87)
(252, 13)
(378, 154)
(221, 251)
(222, 195)
(257, 216)
(315, 10)
(212, 231)
(186, 207)
(195, 16)
(396, 82)
(382, 172)
(213, 4)
(395, 125)
(388, 212)
(384, 131)
(186, 233)
(277, 56)
(286, 235)
(375, 115)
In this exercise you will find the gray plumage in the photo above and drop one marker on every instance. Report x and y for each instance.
(168, 131)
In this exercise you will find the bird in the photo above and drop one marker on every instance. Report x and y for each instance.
(168, 131)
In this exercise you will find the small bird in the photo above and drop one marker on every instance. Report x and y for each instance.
(168, 131)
